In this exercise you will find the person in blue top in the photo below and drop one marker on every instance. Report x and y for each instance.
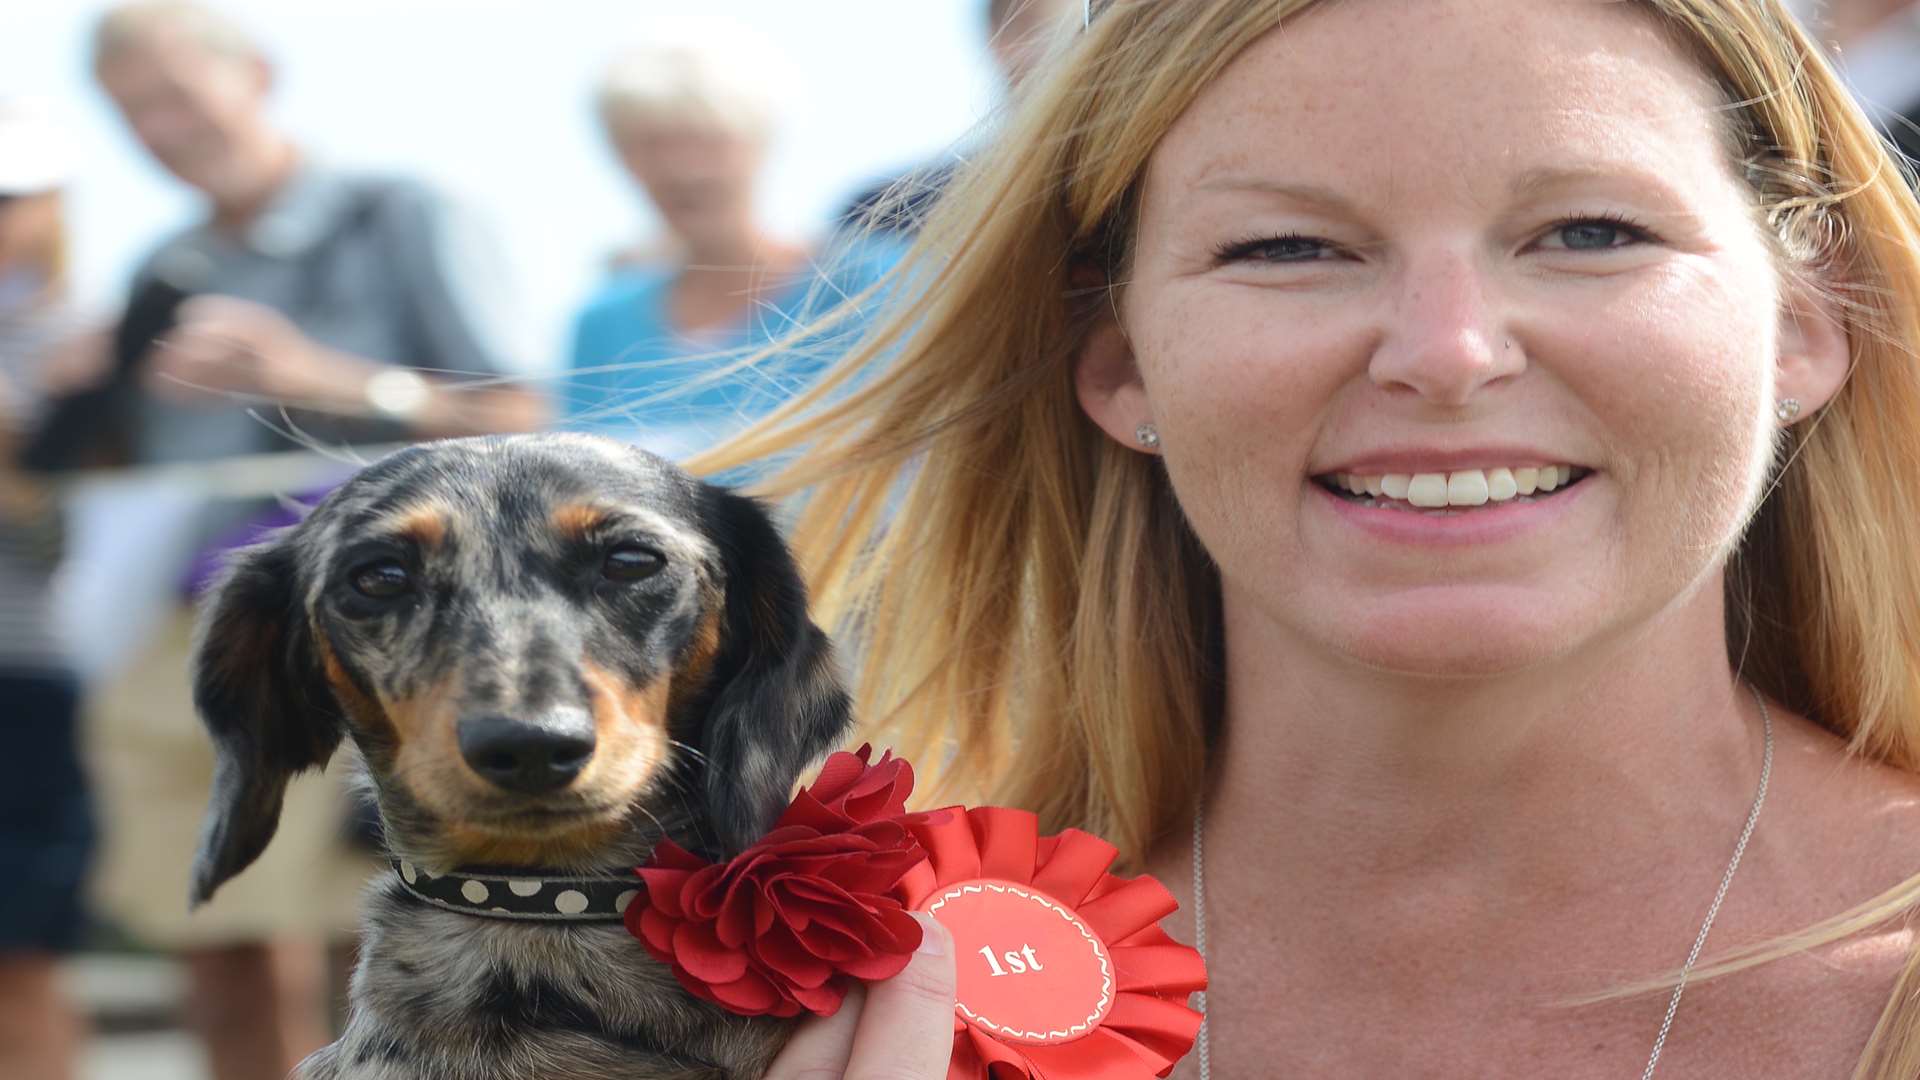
(690, 116)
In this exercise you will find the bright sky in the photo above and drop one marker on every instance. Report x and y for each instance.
(490, 99)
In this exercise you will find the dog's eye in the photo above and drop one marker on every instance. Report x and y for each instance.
(381, 580)
(631, 562)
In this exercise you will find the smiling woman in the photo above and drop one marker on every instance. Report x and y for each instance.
(1462, 447)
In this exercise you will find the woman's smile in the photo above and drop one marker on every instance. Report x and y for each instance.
(1461, 508)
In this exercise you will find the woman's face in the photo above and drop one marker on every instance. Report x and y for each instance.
(1451, 252)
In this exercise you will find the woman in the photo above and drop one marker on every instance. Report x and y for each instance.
(46, 825)
(691, 116)
(1436, 477)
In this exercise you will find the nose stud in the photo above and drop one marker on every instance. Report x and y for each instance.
(1787, 410)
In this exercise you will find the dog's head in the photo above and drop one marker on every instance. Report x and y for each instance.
(535, 641)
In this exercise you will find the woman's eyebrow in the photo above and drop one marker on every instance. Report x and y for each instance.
(1315, 195)
(1531, 183)
(1546, 179)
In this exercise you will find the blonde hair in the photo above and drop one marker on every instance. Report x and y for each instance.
(708, 72)
(1015, 579)
(138, 24)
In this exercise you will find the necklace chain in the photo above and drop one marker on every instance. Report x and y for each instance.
(1201, 1041)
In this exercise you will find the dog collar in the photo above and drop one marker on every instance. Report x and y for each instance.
(535, 897)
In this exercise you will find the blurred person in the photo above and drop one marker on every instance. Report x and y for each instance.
(1878, 47)
(1017, 35)
(303, 287)
(46, 827)
(691, 116)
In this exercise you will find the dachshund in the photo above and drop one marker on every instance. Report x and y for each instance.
(550, 651)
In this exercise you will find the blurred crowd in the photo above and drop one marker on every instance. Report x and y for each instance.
(308, 309)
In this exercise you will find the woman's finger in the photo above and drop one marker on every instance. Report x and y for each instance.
(897, 1029)
(906, 1028)
(821, 1046)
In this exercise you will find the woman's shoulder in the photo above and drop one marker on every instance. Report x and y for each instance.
(1833, 873)
(1841, 828)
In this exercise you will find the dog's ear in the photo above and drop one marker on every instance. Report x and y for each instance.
(259, 690)
(777, 700)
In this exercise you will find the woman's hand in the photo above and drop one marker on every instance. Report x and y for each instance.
(898, 1029)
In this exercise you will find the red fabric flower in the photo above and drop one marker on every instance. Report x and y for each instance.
(854, 792)
(786, 924)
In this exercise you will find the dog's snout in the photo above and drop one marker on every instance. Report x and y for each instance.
(528, 756)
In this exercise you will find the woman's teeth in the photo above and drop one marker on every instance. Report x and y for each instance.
(1466, 487)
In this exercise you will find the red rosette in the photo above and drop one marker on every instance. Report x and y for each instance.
(789, 922)
(1064, 972)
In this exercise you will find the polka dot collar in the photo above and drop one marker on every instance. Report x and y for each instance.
(537, 897)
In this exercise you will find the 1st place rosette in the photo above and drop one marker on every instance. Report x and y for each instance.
(1064, 972)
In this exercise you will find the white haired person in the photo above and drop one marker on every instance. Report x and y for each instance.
(691, 116)
(46, 827)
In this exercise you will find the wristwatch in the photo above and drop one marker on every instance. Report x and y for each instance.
(398, 394)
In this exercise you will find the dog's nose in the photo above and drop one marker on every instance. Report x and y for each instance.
(533, 756)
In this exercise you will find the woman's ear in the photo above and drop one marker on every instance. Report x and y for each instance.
(1106, 379)
(1816, 354)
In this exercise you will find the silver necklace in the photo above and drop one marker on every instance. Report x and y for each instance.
(1200, 1044)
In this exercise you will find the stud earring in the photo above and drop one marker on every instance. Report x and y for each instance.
(1787, 410)
(1148, 436)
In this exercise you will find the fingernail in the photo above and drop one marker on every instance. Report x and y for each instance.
(933, 936)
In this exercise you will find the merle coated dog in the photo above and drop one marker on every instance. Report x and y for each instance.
(550, 651)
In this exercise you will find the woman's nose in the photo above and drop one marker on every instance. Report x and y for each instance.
(1444, 335)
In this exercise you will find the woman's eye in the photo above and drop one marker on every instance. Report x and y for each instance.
(632, 562)
(1592, 234)
(1276, 249)
(381, 580)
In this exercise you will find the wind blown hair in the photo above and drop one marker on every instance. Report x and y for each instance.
(1032, 613)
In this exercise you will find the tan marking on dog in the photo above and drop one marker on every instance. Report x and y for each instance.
(575, 520)
(473, 845)
(429, 763)
(630, 735)
(696, 665)
(425, 524)
(359, 706)
(616, 704)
